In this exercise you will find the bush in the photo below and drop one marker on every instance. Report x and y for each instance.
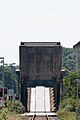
(65, 114)
(16, 106)
(69, 104)
(3, 114)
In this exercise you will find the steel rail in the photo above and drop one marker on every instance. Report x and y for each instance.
(47, 117)
(33, 118)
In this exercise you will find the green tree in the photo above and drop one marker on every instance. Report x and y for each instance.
(68, 58)
(9, 75)
(70, 84)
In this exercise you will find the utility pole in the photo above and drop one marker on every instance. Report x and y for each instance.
(3, 83)
(12, 87)
(77, 81)
(18, 75)
(61, 82)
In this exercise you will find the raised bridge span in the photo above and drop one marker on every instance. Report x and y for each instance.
(40, 65)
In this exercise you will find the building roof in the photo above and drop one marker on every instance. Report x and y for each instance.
(77, 45)
(40, 44)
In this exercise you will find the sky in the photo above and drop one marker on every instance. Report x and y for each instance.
(35, 21)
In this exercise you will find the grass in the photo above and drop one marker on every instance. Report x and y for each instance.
(13, 116)
(7, 115)
(12, 111)
(64, 113)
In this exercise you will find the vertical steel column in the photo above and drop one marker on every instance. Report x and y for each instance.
(77, 100)
(12, 70)
(3, 82)
(24, 94)
(18, 81)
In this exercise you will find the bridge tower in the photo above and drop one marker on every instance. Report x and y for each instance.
(40, 65)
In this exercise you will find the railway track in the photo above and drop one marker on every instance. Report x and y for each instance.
(45, 117)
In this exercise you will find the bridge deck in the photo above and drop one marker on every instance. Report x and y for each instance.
(40, 99)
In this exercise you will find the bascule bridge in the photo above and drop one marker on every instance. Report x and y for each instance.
(40, 65)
